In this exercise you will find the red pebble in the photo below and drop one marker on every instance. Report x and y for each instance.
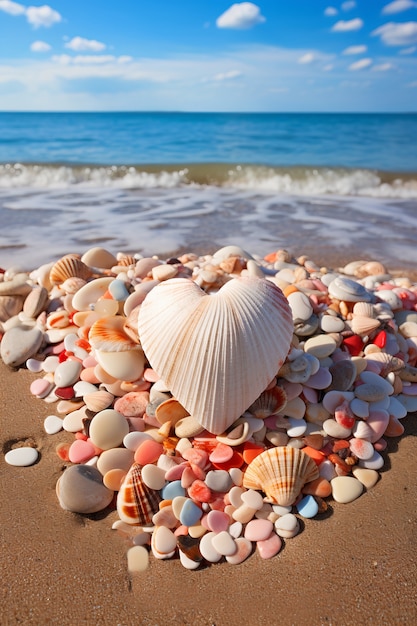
(251, 451)
(81, 435)
(380, 339)
(62, 356)
(354, 344)
(62, 451)
(221, 453)
(65, 393)
(149, 451)
(199, 492)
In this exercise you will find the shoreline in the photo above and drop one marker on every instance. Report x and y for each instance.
(354, 564)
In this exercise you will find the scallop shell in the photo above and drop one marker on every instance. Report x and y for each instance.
(363, 309)
(111, 334)
(137, 503)
(386, 362)
(73, 284)
(364, 325)
(217, 352)
(67, 267)
(98, 400)
(280, 473)
(270, 402)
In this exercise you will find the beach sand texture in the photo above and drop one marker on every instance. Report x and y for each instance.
(355, 564)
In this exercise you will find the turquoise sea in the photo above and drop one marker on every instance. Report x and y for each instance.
(166, 182)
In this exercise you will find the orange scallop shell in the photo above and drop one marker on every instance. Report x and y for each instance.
(69, 266)
(280, 473)
(137, 503)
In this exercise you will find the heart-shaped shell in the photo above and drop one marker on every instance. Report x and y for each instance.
(67, 267)
(137, 503)
(280, 473)
(218, 352)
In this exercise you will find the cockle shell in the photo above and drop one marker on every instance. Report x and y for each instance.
(280, 473)
(111, 334)
(270, 402)
(137, 503)
(364, 325)
(218, 352)
(67, 267)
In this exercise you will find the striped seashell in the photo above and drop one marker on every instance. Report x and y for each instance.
(216, 353)
(386, 362)
(137, 503)
(363, 309)
(67, 267)
(73, 284)
(364, 325)
(280, 473)
(126, 260)
(111, 334)
(98, 400)
(371, 268)
(270, 402)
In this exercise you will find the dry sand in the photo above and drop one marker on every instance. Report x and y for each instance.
(357, 564)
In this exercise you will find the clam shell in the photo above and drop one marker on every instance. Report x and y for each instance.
(67, 267)
(364, 309)
(280, 473)
(364, 325)
(137, 503)
(218, 352)
(270, 402)
(98, 400)
(386, 362)
(111, 334)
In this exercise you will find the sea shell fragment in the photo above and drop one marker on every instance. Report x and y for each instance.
(218, 352)
(137, 503)
(280, 473)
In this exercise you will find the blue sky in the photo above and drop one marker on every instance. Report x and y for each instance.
(209, 55)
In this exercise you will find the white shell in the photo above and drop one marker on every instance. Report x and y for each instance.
(218, 352)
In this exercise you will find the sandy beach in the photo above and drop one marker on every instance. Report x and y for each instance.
(355, 564)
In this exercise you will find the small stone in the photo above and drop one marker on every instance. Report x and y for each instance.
(224, 543)
(320, 346)
(244, 549)
(287, 526)
(269, 547)
(80, 489)
(191, 513)
(18, 344)
(307, 507)
(207, 549)
(218, 480)
(137, 559)
(53, 424)
(346, 489)
(153, 476)
(21, 457)
(258, 529)
(108, 428)
(67, 373)
(81, 451)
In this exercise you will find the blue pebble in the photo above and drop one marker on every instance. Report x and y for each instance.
(308, 507)
(190, 513)
(172, 489)
(118, 290)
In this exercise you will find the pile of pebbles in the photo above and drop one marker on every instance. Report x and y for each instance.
(349, 379)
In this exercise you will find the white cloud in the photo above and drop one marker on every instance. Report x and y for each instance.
(240, 15)
(398, 6)
(397, 34)
(355, 50)
(227, 75)
(348, 5)
(328, 68)
(308, 57)
(383, 67)
(79, 44)
(86, 59)
(42, 16)
(360, 65)
(124, 58)
(330, 11)
(410, 50)
(348, 25)
(40, 46)
(13, 8)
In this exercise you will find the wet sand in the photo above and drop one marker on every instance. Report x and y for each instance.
(356, 564)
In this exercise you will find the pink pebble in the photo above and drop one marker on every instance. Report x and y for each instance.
(88, 375)
(81, 451)
(89, 361)
(136, 424)
(150, 375)
(148, 452)
(41, 387)
(132, 404)
(196, 456)
(175, 472)
(221, 453)
(258, 529)
(217, 521)
(187, 477)
(269, 547)
(380, 445)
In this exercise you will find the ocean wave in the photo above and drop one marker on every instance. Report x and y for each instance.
(302, 181)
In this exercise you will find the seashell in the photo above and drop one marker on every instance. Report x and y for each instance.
(218, 352)
(67, 267)
(126, 260)
(137, 503)
(98, 400)
(386, 362)
(10, 306)
(364, 325)
(270, 402)
(363, 309)
(371, 268)
(280, 473)
(111, 334)
(73, 284)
